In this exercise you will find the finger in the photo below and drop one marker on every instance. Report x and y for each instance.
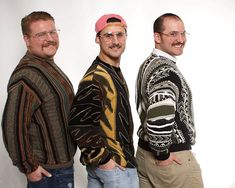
(35, 176)
(119, 166)
(178, 161)
(45, 173)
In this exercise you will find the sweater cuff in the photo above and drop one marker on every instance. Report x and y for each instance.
(162, 156)
(106, 159)
(30, 170)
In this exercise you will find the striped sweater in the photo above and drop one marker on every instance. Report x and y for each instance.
(35, 117)
(164, 104)
(100, 120)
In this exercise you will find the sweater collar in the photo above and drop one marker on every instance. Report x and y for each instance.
(106, 64)
(164, 54)
(40, 58)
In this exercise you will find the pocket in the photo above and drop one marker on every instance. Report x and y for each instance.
(108, 177)
(42, 183)
(65, 177)
(106, 170)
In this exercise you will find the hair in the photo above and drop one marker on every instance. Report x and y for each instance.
(33, 17)
(110, 20)
(158, 25)
(113, 20)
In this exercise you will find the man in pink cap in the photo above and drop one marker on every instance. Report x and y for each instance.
(101, 120)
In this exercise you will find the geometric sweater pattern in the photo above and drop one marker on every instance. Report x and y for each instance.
(164, 105)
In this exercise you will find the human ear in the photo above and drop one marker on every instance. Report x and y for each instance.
(97, 39)
(26, 39)
(157, 37)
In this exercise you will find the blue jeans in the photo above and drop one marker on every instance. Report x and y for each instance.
(115, 178)
(61, 178)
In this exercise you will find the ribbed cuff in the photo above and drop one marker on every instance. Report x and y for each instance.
(162, 156)
(106, 159)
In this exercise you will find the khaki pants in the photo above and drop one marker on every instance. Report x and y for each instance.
(186, 175)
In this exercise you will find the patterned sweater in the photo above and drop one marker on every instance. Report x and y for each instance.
(164, 104)
(100, 120)
(35, 117)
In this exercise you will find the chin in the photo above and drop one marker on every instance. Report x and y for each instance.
(50, 52)
(50, 55)
(178, 53)
(116, 55)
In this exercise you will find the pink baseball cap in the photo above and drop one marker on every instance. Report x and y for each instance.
(102, 22)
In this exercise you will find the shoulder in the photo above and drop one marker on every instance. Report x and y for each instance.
(154, 64)
(30, 72)
(98, 72)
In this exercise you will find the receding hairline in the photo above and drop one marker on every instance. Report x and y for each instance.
(158, 25)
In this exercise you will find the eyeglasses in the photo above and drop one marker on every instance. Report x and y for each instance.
(111, 35)
(43, 35)
(174, 34)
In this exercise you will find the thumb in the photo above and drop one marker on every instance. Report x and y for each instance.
(122, 168)
(46, 173)
(177, 160)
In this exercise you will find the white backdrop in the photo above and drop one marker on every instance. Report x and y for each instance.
(207, 63)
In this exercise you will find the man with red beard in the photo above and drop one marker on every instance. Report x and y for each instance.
(164, 105)
(35, 118)
(101, 120)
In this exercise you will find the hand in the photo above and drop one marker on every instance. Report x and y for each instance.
(172, 158)
(111, 164)
(38, 174)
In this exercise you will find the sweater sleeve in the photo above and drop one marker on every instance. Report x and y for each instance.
(21, 103)
(84, 124)
(161, 95)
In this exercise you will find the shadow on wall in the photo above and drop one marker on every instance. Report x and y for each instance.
(232, 185)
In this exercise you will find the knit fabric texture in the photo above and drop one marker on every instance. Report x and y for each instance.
(164, 105)
(35, 118)
(100, 120)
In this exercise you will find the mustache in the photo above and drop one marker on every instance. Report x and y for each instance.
(178, 43)
(115, 45)
(53, 43)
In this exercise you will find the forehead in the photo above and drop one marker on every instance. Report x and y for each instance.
(113, 28)
(42, 25)
(173, 24)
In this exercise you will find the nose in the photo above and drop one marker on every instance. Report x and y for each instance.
(115, 39)
(49, 36)
(181, 38)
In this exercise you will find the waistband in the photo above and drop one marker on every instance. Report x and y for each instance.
(173, 148)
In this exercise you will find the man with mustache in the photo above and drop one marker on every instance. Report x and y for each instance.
(35, 118)
(101, 119)
(164, 105)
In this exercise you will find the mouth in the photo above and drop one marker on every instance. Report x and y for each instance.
(48, 44)
(178, 45)
(115, 46)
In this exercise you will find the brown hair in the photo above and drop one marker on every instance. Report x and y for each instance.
(158, 24)
(33, 17)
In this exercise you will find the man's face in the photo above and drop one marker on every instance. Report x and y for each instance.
(43, 41)
(112, 40)
(172, 40)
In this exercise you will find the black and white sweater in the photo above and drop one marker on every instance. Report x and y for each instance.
(164, 105)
